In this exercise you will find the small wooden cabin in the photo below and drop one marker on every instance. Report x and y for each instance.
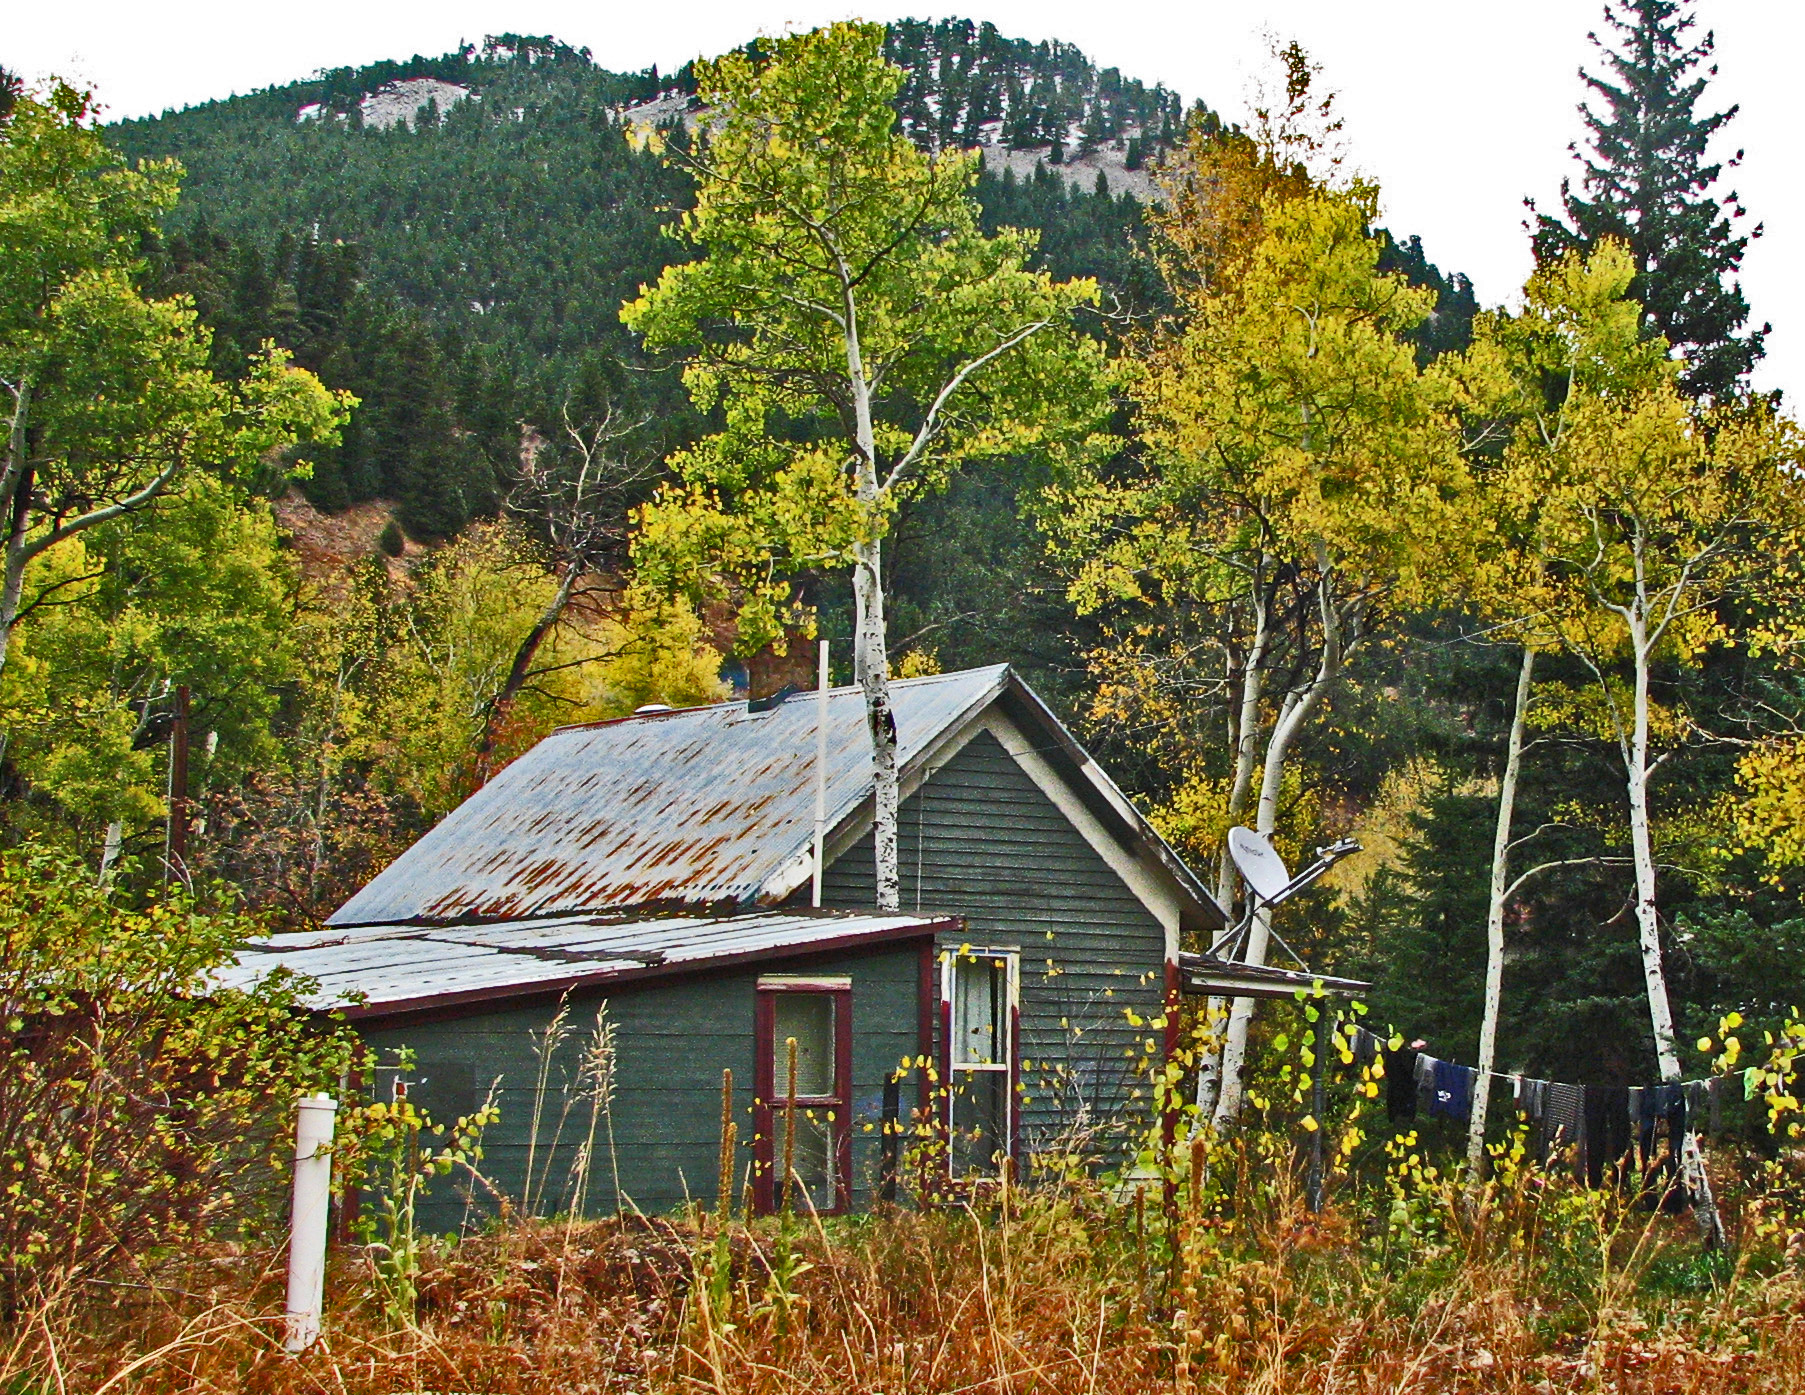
(663, 864)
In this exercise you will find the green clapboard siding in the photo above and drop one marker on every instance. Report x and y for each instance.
(979, 839)
(673, 1038)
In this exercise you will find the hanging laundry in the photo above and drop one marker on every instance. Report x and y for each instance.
(1425, 1083)
(1451, 1091)
(1698, 1095)
(1610, 1130)
(1530, 1097)
(1677, 1117)
(1653, 1106)
(1564, 1122)
(1645, 1120)
(1400, 1085)
(1679, 1120)
(1607, 1125)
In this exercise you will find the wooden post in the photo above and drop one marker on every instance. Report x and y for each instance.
(1320, 1044)
(789, 1128)
(1494, 927)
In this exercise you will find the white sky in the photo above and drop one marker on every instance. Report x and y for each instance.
(1459, 108)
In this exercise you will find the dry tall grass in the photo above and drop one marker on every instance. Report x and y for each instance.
(1548, 1289)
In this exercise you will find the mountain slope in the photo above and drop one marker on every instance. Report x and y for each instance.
(451, 238)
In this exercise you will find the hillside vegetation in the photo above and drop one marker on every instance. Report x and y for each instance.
(462, 272)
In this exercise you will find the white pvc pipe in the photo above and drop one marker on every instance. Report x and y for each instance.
(314, 1118)
(820, 771)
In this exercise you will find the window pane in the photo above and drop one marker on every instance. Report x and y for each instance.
(980, 1116)
(811, 1164)
(980, 1011)
(808, 1017)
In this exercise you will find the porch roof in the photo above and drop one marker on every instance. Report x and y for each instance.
(382, 971)
(1227, 978)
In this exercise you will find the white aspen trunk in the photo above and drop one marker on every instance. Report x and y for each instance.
(1648, 925)
(12, 582)
(15, 504)
(1299, 705)
(1660, 1011)
(872, 662)
(871, 651)
(1246, 734)
(1259, 935)
(1244, 728)
(1494, 925)
(109, 851)
(1209, 1057)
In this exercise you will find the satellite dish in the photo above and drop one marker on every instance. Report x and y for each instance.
(1259, 863)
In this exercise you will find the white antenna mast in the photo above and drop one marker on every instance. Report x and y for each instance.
(820, 768)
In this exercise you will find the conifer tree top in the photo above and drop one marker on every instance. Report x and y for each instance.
(1648, 181)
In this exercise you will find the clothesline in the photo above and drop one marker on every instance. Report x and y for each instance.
(1364, 1033)
(1602, 1123)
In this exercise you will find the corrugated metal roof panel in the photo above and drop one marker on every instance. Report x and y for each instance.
(699, 807)
(399, 968)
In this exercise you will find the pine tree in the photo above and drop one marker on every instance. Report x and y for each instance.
(1648, 181)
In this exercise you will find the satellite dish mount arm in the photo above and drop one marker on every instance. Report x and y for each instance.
(1326, 857)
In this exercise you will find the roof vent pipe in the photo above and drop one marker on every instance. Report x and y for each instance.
(820, 769)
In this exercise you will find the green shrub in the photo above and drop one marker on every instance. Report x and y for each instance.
(141, 1106)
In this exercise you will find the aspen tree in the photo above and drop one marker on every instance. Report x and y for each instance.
(1524, 379)
(859, 335)
(1302, 469)
(1653, 516)
(106, 396)
(1505, 376)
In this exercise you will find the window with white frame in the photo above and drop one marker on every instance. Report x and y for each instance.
(980, 994)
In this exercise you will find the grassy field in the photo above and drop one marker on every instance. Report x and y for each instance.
(1397, 1287)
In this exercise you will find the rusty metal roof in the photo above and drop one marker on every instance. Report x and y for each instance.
(704, 806)
(394, 969)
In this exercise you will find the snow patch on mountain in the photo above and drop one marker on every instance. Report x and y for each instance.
(400, 103)
(397, 103)
(642, 119)
(665, 107)
(1079, 168)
